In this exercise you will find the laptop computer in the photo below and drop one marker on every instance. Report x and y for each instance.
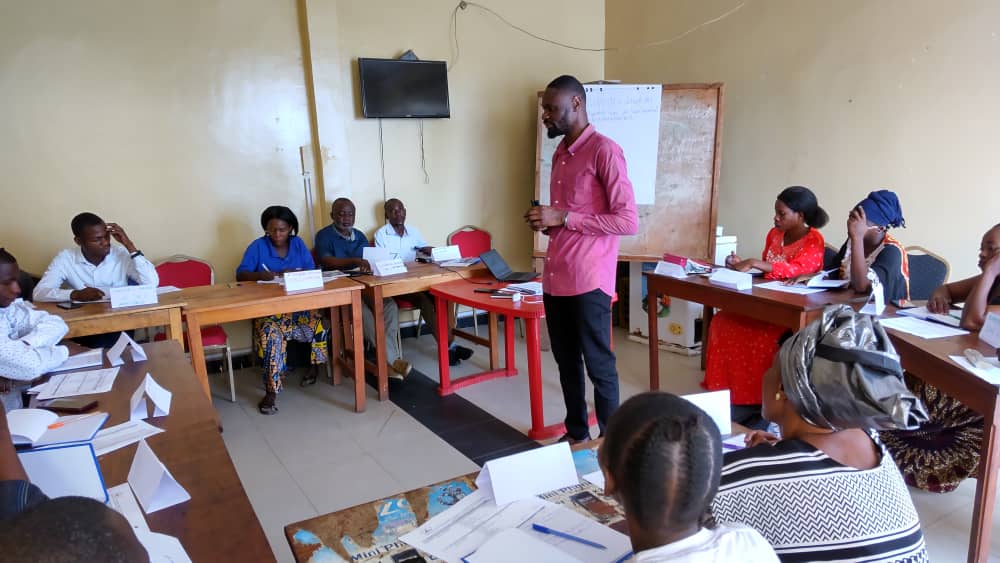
(501, 271)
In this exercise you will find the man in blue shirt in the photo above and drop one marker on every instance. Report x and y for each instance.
(341, 246)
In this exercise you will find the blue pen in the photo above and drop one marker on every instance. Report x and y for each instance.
(564, 535)
(624, 558)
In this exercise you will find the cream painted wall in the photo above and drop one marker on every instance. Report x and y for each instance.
(843, 96)
(181, 120)
(481, 161)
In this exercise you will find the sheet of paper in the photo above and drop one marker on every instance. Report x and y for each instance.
(125, 341)
(331, 275)
(160, 397)
(990, 376)
(64, 471)
(990, 333)
(166, 289)
(162, 548)
(670, 270)
(876, 302)
(797, 288)
(527, 288)
(953, 318)
(518, 545)
(734, 443)
(446, 253)
(596, 477)
(529, 473)
(716, 405)
(121, 499)
(87, 359)
(821, 280)
(37, 388)
(304, 280)
(920, 327)
(27, 425)
(79, 383)
(133, 295)
(732, 279)
(73, 428)
(470, 523)
(152, 482)
(121, 435)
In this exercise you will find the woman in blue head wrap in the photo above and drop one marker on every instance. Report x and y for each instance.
(870, 254)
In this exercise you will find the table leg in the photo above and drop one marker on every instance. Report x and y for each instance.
(444, 370)
(508, 341)
(175, 329)
(707, 313)
(537, 431)
(336, 344)
(380, 357)
(358, 342)
(197, 350)
(654, 336)
(986, 488)
(492, 332)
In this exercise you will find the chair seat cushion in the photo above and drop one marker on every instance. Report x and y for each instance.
(213, 335)
(404, 303)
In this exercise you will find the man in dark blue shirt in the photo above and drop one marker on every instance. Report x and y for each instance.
(341, 246)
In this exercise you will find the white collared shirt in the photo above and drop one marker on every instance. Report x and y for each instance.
(402, 247)
(727, 542)
(28, 341)
(71, 270)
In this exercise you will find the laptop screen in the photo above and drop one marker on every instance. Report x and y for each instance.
(496, 264)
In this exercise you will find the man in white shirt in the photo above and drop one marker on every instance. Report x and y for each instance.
(86, 273)
(29, 338)
(404, 242)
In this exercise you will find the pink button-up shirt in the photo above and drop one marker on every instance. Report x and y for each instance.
(590, 180)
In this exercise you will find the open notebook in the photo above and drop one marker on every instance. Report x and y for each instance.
(39, 427)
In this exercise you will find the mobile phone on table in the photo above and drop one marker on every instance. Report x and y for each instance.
(595, 506)
(408, 556)
(69, 305)
(70, 405)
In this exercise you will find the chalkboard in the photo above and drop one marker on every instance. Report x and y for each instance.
(681, 216)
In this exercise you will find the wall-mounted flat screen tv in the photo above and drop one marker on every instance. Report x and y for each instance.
(400, 88)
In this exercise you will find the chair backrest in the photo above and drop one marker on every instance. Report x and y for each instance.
(928, 271)
(471, 240)
(185, 271)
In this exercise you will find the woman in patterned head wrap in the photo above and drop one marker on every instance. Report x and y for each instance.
(827, 489)
(870, 254)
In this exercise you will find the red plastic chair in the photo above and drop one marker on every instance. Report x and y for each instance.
(186, 271)
(471, 241)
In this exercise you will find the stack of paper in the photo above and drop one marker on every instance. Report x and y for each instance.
(527, 288)
(77, 383)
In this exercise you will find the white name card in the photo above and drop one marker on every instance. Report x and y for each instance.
(446, 253)
(731, 278)
(306, 280)
(876, 302)
(716, 406)
(529, 473)
(375, 254)
(388, 267)
(670, 270)
(990, 333)
(133, 295)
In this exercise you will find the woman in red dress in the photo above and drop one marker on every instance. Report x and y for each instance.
(741, 349)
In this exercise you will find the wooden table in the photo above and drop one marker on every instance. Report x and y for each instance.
(99, 318)
(373, 527)
(218, 523)
(224, 303)
(784, 309)
(928, 360)
(418, 277)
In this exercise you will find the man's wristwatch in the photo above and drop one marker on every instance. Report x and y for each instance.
(136, 254)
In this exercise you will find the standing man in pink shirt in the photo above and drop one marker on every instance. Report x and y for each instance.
(592, 204)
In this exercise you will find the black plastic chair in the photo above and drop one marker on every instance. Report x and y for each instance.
(928, 271)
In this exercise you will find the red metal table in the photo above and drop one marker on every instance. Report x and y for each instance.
(463, 292)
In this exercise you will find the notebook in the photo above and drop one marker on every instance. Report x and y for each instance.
(65, 471)
(39, 427)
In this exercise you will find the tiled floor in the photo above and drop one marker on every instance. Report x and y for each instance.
(317, 456)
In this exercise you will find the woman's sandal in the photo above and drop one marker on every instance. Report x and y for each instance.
(266, 405)
(309, 377)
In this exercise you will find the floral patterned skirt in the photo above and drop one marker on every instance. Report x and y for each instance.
(271, 335)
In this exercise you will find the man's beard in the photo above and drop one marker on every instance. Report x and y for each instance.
(554, 131)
